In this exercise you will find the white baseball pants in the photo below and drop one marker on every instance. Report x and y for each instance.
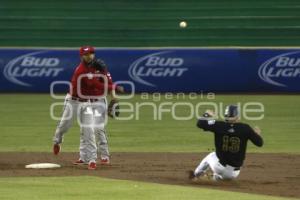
(91, 117)
(219, 171)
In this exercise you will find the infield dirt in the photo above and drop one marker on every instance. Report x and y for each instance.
(270, 174)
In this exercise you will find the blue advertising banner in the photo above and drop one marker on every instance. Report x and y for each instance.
(159, 70)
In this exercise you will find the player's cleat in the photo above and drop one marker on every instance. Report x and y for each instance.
(201, 177)
(79, 162)
(191, 174)
(56, 149)
(104, 161)
(195, 177)
(92, 166)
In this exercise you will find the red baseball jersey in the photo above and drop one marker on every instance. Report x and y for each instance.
(90, 85)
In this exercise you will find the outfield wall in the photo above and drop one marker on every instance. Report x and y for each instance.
(159, 69)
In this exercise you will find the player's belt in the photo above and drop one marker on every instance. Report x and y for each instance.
(224, 165)
(84, 100)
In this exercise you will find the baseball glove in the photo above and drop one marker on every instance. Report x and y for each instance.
(99, 64)
(113, 109)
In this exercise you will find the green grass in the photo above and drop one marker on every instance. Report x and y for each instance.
(84, 187)
(26, 126)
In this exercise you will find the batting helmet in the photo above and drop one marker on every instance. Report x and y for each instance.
(86, 49)
(231, 112)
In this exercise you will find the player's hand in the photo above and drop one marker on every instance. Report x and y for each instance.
(120, 89)
(113, 109)
(257, 130)
(210, 113)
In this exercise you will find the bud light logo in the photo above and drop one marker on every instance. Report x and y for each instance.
(31, 66)
(156, 65)
(281, 70)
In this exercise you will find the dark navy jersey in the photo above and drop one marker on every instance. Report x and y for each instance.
(230, 140)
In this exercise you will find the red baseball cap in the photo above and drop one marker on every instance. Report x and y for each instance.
(86, 49)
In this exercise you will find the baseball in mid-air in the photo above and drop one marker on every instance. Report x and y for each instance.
(182, 24)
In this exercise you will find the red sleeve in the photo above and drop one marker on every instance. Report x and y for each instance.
(77, 72)
(109, 79)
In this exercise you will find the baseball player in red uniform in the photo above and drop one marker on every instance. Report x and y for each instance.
(86, 101)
